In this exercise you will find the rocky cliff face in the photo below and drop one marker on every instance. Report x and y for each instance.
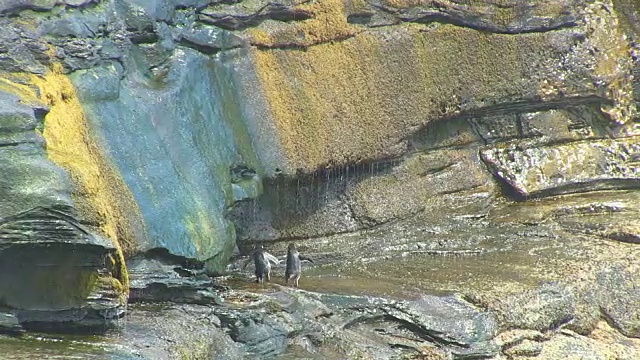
(132, 126)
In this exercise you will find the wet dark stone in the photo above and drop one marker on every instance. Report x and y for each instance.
(524, 18)
(154, 280)
(453, 324)
(539, 171)
(261, 335)
(240, 20)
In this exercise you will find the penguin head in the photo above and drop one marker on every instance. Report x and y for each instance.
(292, 246)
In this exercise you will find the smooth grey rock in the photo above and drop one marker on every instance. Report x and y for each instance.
(75, 23)
(78, 2)
(142, 14)
(134, 15)
(175, 331)
(39, 5)
(99, 83)
(15, 116)
(191, 3)
(30, 180)
(448, 321)
(186, 187)
(261, 334)
(15, 6)
(209, 39)
(155, 280)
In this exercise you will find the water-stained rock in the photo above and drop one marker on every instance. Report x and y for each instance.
(231, 17)
(186, 184)
(15, 6)
(324, 127)
(617, 295)
(558, 169)
(545, 308)
(511, 18)
(209, 39)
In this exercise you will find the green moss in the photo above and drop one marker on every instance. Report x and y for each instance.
(112, 284)
(216, 265)
(200, 228)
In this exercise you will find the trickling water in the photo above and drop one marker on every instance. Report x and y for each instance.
(327, 182)
(298, 195)
(253, 209)
(346, 175)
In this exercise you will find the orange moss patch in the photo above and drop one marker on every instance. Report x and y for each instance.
(101, 195)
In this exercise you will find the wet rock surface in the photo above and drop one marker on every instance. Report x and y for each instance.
(388, 138)
(403, 290)
(543, 171)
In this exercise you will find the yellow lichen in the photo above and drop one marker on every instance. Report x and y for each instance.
(345, 101)
(613, 56)
(100, 194)
(9, 83)
(328, 23)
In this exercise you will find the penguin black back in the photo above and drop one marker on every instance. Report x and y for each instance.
(263, 268)
(294, 265)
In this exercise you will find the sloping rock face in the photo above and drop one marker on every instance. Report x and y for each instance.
(182, 125)
(56, 272)
(462, 105)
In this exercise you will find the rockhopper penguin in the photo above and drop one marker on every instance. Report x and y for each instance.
(294, 267)
(262, 261)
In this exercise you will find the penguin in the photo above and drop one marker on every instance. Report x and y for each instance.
(262, 261)
(294, 267)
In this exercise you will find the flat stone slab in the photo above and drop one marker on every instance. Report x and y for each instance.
(559, 169)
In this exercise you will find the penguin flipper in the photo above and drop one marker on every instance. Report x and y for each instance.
(271, 258)
(302, 257)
